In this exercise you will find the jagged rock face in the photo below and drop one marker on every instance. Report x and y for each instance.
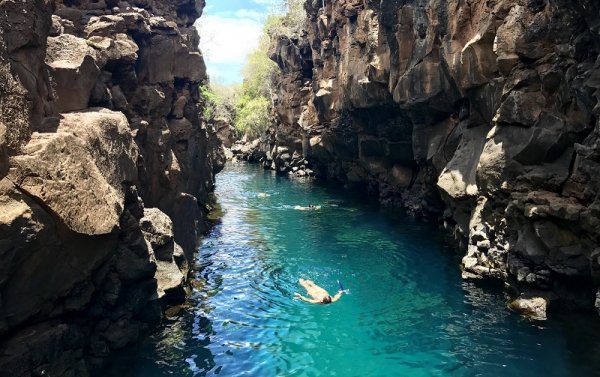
(293, 56)
(223, 127)
(23, 78)
(105, 173)
(486, 111)
(149, 68)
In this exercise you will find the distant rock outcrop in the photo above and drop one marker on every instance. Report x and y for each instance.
(106, 170)
(485, 113)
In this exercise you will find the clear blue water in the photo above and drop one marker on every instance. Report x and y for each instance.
(408, 312)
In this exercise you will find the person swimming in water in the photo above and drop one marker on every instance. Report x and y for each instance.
(318, 294)
(310, 207)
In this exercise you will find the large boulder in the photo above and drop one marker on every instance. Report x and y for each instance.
(31, 242)
(74, 71)
(108, 50)
(531, 305)
(78, 172)
(105, 26)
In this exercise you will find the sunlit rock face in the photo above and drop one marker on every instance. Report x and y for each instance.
(483, 112)
(106, 168)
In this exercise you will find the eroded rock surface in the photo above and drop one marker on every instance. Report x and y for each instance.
(102, 144)
(484, 114)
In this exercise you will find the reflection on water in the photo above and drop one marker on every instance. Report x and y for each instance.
(408, 313)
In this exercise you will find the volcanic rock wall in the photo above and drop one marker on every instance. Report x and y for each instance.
(106, 169)
(484, 112)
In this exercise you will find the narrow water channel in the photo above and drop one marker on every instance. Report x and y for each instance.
(408, 312)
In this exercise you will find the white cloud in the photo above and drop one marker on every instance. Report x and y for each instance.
(228, 41)
(224, 40)
(251, 14)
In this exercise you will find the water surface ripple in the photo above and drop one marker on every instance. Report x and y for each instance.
(408, 314)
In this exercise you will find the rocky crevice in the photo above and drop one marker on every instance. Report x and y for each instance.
(106, 170)
(484, 114)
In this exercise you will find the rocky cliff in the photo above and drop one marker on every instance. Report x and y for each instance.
(485, 113)
(105, 173)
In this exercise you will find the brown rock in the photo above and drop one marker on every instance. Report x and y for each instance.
(24, 84)
(157, 228)
(531, 306)
(521, 108)
(31, 241)
(78, 172)
(483, 102)
(506, 39)
(121, 49)
(170, 280)
(105, 26)
(73, 70)
(459, 176)
(73, 195)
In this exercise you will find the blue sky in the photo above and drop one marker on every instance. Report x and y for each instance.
(229, 30)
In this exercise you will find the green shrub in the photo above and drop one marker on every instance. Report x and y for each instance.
(211, 101)
(252, 116)
(291, 22)
(219, 101)
(254, 101)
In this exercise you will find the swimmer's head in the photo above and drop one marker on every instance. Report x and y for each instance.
(327, 300)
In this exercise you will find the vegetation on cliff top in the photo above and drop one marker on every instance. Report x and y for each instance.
(248, 106)
(288, 22)
(219, 101)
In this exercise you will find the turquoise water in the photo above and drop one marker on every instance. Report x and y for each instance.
(408, 312)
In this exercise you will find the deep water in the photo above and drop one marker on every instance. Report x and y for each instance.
(408, 312)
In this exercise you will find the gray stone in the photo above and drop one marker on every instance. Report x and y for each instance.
(170, 281)
(79, 171)
(74, 71)
(534, 307)
(158, 229)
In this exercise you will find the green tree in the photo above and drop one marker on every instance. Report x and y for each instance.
(219, 101)
(252, 117)
(290, 20)
(254, 102)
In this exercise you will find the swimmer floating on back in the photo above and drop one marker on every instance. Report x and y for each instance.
(263, 195)
(309, 208)
(318, 294)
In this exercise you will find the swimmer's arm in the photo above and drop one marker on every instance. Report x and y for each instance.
(298, 295)
(337, 296)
